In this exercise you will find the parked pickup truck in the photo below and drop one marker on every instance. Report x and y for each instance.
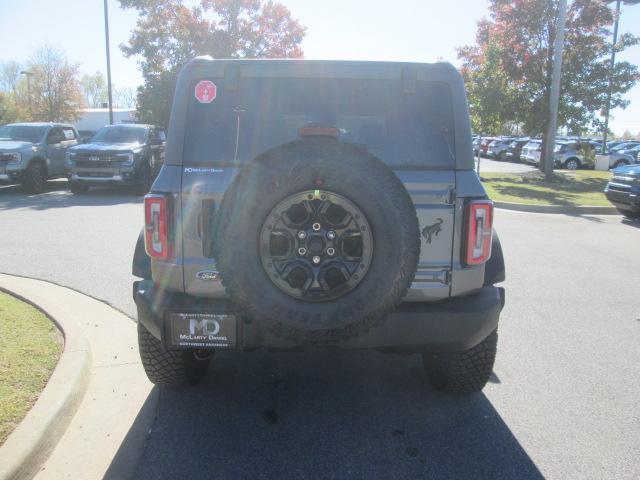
(623, 190)
(32, 153)
(118, 155)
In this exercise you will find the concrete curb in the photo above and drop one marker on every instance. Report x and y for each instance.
(101, 432)
(586, 210)
(33, 440)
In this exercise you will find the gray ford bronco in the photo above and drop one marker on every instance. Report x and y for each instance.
(319, 204)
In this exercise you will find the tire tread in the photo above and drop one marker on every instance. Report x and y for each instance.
(172, 368)
(467, 371)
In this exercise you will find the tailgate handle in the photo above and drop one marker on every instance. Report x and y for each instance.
(206, 221)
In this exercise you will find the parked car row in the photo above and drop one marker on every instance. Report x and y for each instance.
(570, 153)
(127, 154)
(622, 146)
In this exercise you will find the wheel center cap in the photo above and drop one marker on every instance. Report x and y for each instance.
(316, 244)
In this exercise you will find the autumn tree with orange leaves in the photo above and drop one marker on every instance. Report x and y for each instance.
(168, 34)
(511, 64)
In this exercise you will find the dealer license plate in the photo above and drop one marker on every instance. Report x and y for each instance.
(203, 330)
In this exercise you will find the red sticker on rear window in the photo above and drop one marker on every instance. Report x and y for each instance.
(206, 91)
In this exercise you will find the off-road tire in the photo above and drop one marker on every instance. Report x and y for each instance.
(78, 188)
(342, 169)
(464, 372)
(169, 368)
(34, 178)
(631, 215)
(142, 179)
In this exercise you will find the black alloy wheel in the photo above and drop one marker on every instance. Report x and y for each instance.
(316, 245)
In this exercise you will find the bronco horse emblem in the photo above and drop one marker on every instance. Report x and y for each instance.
(430, 230)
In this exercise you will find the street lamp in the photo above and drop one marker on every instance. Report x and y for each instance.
(28, 74)
(554, 95)
(607, 107)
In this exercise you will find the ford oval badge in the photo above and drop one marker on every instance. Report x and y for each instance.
(208, 275)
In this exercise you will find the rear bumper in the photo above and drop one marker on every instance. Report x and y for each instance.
(455, 324)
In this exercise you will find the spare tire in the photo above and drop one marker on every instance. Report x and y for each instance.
(317, 240)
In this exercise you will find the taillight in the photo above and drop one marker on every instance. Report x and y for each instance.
(156, 226)
(479, 231)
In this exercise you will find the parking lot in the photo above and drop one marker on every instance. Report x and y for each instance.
(562, 402)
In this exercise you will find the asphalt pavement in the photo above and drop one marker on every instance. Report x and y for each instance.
(84, 242)
(562, 402)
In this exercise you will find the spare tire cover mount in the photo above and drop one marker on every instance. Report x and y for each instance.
(294, 261)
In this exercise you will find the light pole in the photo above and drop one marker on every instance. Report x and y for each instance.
(28, 74)
(106, 36)
(607, 107)
(554, 96)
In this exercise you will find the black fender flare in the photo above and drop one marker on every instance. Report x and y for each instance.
(494, 270)
(141, 261)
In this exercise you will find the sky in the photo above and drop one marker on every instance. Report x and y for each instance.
(403, 30)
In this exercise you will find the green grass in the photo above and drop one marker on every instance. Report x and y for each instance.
(566, 188)
(30, 346)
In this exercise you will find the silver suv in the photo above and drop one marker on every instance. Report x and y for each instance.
(319, 204)
(498, 148)
(573, 155)
(531, 152)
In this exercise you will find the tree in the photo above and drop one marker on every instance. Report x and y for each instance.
(168, 34)
(524, 31)
(627, 135)
(491, 97)
(8, 111)
(124, 97)
(94, 87)
(9, 76)
(55, 88)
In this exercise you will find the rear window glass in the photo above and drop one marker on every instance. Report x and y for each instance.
(403, 129)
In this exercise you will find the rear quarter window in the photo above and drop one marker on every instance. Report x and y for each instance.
(402, 129)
